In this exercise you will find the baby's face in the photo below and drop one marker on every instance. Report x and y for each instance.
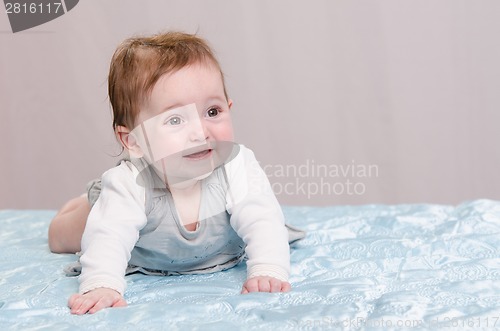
(185, 129)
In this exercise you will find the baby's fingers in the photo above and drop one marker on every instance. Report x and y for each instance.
(120, 303)
(251, 285)
(72, 300)
(265, 284)
(106, 302)
(80, 304)
(285, 287)
(95, 300)
(275, 285)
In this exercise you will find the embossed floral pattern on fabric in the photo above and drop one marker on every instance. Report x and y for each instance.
(362, 267)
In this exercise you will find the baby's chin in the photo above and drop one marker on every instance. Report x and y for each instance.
(201, 177)
(182, 183)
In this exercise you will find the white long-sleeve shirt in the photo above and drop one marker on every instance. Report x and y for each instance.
(119, 214)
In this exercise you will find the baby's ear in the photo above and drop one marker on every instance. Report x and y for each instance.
(128, 141)
(230, 103)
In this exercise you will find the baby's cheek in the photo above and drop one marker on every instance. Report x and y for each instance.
(225, 133)
(165, 145)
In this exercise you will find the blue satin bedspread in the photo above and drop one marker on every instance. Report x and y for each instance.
(363, 267)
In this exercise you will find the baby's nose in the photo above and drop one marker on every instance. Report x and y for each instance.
(197, 131)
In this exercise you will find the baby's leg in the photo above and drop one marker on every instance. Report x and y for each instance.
(66, 229)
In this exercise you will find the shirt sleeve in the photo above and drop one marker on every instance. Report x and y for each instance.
(112, 230)
(257, 218)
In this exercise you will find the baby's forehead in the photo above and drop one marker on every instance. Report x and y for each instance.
(189, 80)
(206, 66)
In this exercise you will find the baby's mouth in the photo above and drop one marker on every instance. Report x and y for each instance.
(197, 153)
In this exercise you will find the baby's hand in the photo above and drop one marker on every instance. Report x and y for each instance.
(265, 284)
(95, 300)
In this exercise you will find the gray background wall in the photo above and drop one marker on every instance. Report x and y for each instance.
(408, 88)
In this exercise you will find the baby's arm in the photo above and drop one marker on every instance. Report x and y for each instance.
(110, 235)
(257, 218)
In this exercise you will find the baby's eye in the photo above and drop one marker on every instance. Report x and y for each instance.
(212, 112)
(174, 120)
